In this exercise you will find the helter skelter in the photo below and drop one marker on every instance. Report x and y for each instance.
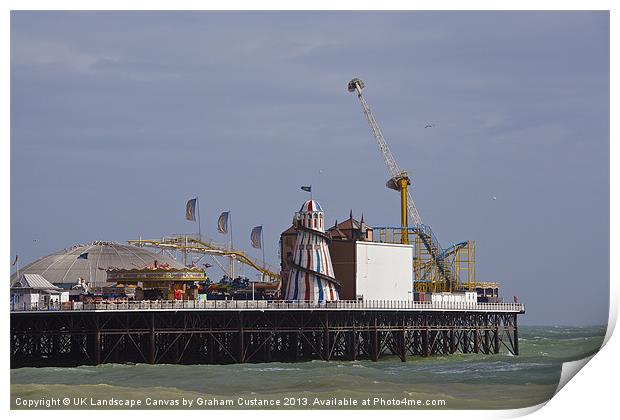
(312, 275)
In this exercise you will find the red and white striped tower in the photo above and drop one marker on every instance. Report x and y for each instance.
(312, 275)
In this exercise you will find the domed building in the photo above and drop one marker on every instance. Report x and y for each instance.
(88, 263)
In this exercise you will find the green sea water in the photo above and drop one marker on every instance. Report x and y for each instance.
(472, 381)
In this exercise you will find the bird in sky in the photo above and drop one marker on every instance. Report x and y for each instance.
(429, 126)
(494, 198)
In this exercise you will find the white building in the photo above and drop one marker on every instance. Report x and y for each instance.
(32, 291)
(383, 271)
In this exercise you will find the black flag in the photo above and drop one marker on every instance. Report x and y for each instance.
(222, 223)
(190, 209)
(256, 237)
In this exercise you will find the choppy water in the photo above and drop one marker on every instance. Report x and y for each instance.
(463, 381)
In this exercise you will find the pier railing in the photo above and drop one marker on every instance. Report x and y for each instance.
(269, 305)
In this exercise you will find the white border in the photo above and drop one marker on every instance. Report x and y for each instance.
(593, 394)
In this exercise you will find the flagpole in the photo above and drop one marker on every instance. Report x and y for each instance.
(198, 211)
(232, 260)
(262, 245)
(307, 189)
(230, 229)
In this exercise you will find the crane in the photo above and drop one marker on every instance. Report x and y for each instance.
(399, 181)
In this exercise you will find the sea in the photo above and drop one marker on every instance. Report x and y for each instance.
(460, 381)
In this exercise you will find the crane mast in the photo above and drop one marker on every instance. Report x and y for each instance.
(399, 180)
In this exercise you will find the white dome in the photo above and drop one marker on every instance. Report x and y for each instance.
(64, 267)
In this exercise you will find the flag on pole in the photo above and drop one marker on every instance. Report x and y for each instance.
(222, 223)
(256, 236)
(16, 259)
(190, 209)
(307, 189)
(83, 256)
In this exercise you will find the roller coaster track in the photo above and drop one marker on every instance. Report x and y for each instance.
(438, 255)
(440, 258)
(189, 244)
(431, 243)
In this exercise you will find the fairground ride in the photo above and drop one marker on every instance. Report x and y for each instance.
(189, 246)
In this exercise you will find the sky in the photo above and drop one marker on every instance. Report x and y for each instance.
(118, 118)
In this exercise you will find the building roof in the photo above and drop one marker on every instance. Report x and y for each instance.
(335, 233)
(64, 266)
(290, 231)
(339, 230)
(350, 224)
(33, 281)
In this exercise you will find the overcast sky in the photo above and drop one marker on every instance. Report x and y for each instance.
(117, 119)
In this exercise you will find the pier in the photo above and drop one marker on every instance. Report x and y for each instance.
(224, 332)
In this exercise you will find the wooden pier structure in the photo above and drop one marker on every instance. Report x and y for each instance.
(223, 332)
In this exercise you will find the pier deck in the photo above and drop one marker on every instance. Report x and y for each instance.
(220, 332)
